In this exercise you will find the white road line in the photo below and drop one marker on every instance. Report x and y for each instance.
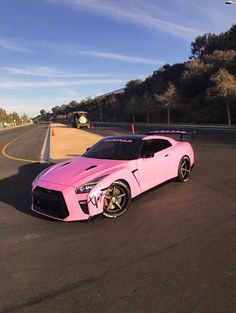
(45, 152)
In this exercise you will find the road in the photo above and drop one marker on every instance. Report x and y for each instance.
(174, 251)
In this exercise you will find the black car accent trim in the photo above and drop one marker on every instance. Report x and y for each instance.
(50, 202)
(84, 206)
(90, 167)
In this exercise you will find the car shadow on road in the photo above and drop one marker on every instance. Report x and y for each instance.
(16, 190)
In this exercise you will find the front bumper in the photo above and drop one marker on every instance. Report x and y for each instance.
(61, 202)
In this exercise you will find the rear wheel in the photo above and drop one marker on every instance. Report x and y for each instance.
(116, 199)
(184, 169)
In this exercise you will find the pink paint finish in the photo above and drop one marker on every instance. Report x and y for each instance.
(55, 192)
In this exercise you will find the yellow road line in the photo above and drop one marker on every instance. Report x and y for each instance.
(15, 158)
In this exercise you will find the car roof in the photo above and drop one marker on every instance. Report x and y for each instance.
(140, 137)
(80, 112)
(127, 136)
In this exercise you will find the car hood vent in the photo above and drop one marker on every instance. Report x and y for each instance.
(90, 167)
(65, 164)
(78, 170)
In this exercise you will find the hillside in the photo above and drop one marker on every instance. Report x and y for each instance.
(201, 90)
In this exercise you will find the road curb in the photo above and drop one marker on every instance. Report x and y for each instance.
(46, 149)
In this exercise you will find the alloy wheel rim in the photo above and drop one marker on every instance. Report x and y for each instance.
(115, 199)
(185, 169)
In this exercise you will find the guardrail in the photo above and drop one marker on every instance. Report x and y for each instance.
(167, 126)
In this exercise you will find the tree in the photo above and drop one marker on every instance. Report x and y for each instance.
(15, 118)
(208, 43)
(43, 112)
(24, 118)
(146, 104)
(195, 78)
(72, 106)
(168, 98)
(3, 115)
(131, 107)
(202, 45)
(225, 86)
(132, 84)
(100, 101)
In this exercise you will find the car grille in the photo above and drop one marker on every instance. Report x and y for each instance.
(84, 206)
(50, 202)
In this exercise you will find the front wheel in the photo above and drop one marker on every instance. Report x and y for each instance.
(116, 199)
(184, 169)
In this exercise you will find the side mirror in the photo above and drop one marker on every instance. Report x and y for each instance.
(147, 154)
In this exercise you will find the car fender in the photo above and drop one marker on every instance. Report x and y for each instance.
(96, 196)
(177, 152)
(185, 149)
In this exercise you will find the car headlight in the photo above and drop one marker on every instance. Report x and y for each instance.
(89, 186)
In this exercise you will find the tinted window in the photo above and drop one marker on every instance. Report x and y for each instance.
(115, 149)
(152, 145)
(155, 145)
(165, 144)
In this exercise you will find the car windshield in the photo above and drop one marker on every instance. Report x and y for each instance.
(115, 149)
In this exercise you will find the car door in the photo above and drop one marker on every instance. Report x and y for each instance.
(152, 170)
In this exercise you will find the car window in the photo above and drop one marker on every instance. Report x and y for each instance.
(165, 144)
(155, 145)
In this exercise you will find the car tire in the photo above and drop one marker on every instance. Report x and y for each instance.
(116, 199)
(184, 169)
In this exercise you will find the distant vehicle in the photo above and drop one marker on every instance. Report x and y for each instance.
(79, 119)
(109, 174)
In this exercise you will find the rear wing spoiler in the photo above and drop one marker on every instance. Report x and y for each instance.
(181, 133)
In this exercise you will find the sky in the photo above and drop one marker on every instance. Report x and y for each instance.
(56, 51)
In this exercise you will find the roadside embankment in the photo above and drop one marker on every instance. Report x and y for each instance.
(64, 142)
(67, 142)
(11, 127)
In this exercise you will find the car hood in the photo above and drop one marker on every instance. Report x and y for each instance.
(80, 170)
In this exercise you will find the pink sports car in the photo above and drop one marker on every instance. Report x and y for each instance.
(109, 175)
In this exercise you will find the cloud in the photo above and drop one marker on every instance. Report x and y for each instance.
(132, 13)
(69, 92)
(13, 46)
(119, 57)
(7, 84)
(45, 71)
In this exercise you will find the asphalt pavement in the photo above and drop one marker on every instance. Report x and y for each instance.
(174, 251)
